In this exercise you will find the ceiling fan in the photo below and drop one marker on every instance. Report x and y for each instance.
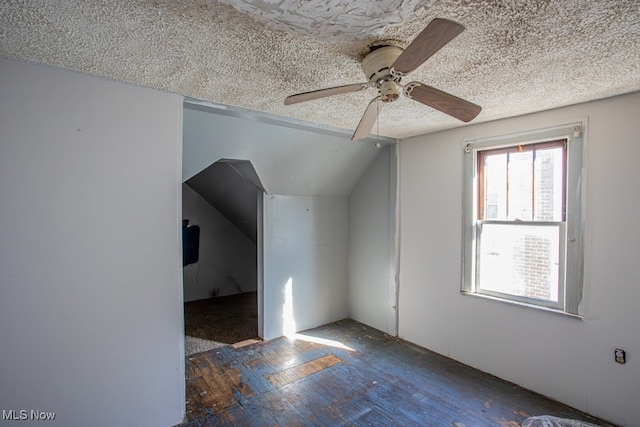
(387, 64)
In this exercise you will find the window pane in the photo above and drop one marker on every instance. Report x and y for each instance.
(548, 185)
(519, 260)
(495, 172)
(522, 200)
(520, 186)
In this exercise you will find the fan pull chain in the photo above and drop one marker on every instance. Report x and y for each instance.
(378, 125)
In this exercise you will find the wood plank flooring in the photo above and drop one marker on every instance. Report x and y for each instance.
(367, 378)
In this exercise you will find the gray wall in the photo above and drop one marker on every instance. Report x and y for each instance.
(565, 358)
(227, 260)
(91, 321)
(372, 251)
(308, 176)
(288, 160)
(305, 252)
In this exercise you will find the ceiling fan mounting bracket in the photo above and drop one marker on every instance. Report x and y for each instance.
(377, 64)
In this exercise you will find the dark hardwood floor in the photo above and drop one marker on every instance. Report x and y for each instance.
(368, 378)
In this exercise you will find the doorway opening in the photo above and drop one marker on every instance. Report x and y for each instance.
(222, 256)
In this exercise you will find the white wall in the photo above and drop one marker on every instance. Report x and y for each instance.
(372, 260)
(90, 273)
(308, 176)
(306, 245)
(565, 358)
(288, 160)
(227, 259)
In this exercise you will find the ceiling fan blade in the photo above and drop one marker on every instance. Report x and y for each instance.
(368, 120)
(316, 94)
(438, 33)
(443, 101)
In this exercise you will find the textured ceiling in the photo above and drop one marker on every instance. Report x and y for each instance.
(515, 56)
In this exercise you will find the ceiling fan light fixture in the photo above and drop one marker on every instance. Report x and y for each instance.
(389, 91)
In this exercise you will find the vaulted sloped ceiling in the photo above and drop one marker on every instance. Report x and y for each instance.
(515, 56)
(229, 187)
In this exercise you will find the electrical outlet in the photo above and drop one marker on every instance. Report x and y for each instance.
(621, 356)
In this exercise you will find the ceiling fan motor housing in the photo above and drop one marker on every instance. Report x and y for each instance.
(377, 64)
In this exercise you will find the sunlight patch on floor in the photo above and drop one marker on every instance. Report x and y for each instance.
(318, 340)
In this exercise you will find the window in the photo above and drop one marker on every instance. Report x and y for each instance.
(523, 218)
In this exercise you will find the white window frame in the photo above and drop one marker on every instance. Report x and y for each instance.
(571, 288)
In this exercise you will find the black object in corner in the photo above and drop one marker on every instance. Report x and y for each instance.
(190, 244)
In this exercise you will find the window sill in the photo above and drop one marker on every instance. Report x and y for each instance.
(523, 304)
